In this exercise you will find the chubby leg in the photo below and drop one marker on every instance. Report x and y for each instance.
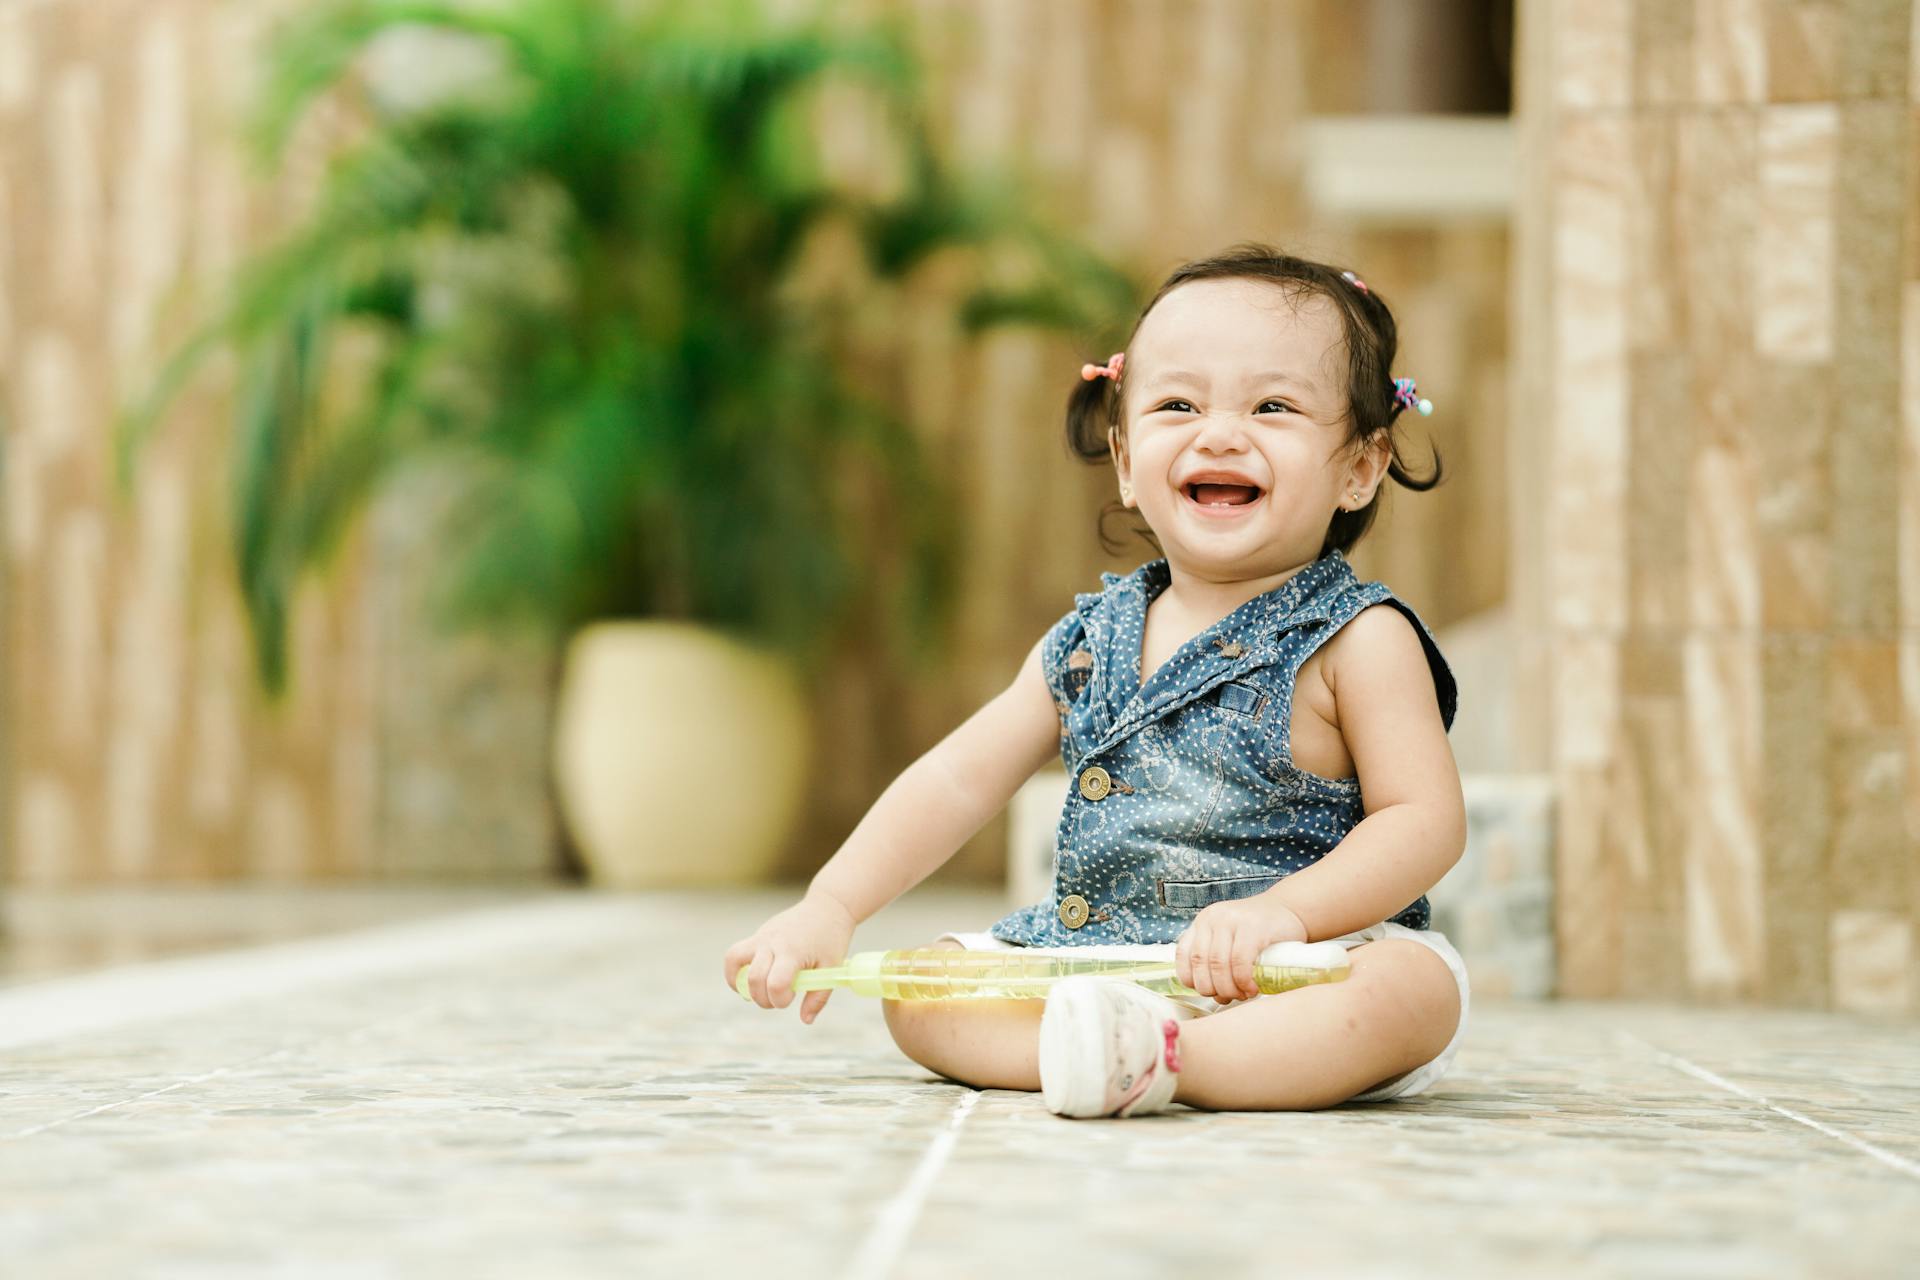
(1317, 1046)
(989, 1044)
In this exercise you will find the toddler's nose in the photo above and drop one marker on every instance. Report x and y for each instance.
(1221, 427)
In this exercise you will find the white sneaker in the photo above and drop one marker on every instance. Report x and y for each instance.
(1109, 1047)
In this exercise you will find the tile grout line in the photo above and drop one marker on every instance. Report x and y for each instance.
(126, 1102)
(882, 1246)
(1881, 1154)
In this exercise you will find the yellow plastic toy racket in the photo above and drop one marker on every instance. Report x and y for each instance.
(932, 973)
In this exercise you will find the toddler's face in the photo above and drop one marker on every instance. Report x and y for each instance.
(1235, 438)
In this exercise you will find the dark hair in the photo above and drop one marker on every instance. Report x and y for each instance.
(1371, 338)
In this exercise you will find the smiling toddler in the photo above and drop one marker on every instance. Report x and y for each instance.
(1255, 740)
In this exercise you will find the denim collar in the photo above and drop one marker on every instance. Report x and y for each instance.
(1247, 638)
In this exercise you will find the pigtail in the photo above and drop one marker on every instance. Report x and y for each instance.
(1398, 472)
(1093, 411)
(1093, 407)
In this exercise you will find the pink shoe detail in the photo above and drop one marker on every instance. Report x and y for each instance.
(1172, 1030)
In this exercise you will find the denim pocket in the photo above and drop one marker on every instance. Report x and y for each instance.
(1242, 699)
(1191, 895)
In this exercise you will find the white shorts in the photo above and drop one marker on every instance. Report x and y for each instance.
(1418, 1080)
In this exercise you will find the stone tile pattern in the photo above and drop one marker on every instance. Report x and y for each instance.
(1161, 130)
(1718, 587)
(138, 746)
(589, 1106)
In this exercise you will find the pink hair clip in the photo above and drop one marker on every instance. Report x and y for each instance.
(1111, 369)
(1355, 281)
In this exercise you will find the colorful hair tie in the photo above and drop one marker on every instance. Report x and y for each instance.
(1403, 394)
(1111, 369)
(1355, 281)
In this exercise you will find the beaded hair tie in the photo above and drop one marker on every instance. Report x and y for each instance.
(1403, 394)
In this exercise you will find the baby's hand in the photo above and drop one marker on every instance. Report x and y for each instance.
(1215, 955)
(811, 933)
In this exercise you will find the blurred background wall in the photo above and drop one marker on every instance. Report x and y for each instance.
(1166, 131)
(137, 746)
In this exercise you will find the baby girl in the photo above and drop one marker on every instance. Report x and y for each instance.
(1256, 747)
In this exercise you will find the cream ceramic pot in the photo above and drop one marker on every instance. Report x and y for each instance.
(679, 755)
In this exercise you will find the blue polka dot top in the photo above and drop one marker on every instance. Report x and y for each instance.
(1183, 792)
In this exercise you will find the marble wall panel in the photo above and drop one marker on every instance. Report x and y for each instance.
(1867, 773)
(1872, 961)
(1874, 54)
(1796, 819)
(1730, 51)
(7, 268)
(1793, 506)
(1590, 55)
(1662, 49)
(1794, 256)
(1907, 461)
(1589, 923)
(1722, 880)
(1910, 745)
(1786, 174)
(1651, 817)
(1589, 898)
(1589, 429)
(1869, 215)
(1804, 50)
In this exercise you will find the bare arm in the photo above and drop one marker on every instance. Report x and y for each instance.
(945, 796)
(1416, 823)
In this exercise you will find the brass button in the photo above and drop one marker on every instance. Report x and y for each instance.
(1073, 911)
(1095, 783)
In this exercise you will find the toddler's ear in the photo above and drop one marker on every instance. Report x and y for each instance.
(1122, 470)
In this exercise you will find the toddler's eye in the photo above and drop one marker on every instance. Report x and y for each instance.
(1170, 403)
(1281, 403)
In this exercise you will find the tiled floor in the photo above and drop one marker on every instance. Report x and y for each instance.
(566, 1088)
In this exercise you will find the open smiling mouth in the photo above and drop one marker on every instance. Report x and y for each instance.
(1213, 496)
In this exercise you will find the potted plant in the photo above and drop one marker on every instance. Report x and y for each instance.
(568, 277)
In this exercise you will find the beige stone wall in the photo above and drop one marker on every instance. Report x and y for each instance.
(1717, 565)
(137, 746)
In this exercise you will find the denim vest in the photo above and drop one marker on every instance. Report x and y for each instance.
(1184, 793)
